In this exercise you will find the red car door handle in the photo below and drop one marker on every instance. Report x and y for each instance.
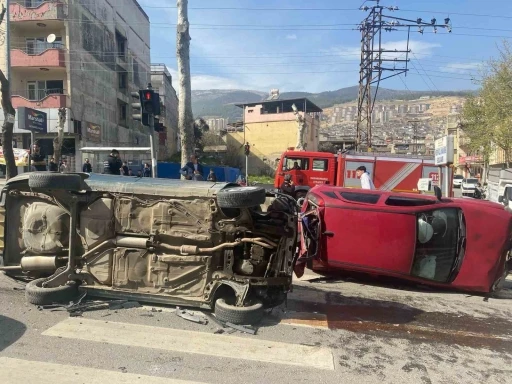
(328, 234)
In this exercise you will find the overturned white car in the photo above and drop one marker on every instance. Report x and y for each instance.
(211, 245)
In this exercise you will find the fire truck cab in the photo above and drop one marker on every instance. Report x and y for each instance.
(389, 172)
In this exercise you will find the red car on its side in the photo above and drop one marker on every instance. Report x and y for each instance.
(464, 244)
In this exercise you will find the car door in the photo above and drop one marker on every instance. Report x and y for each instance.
(359, 233)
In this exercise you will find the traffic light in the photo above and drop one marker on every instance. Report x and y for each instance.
(146, 107)
(247, 149)
(150, 101)
(137, 107)
(146, 97)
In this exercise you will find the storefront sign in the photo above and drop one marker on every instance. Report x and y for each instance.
(93, 132)
(470, 159)
(32, 120)
(444, 150)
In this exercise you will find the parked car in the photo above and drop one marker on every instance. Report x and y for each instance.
(441, 242)
(468, 187)
(203, 244)
(457, 181)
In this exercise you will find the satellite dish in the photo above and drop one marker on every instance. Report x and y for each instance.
(51, 38)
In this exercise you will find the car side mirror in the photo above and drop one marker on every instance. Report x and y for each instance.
(437, 192)
(500, 199)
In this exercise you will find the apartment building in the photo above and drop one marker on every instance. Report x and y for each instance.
(271, 128)
(161, 80)
(85, 56)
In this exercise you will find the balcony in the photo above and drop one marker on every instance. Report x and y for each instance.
(52, 57)
(49, 10)
(41, 98)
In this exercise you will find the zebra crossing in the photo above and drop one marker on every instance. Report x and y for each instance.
(16, 371)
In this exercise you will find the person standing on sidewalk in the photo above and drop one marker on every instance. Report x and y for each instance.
(113, 164)
(87, 167)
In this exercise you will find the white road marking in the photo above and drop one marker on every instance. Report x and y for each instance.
(193, 342)
(16, 371)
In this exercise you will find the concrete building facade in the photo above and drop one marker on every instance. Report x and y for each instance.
(271, 128)
(85, 56)
(161, 80)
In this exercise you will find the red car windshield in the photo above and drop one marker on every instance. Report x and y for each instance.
(440, 244)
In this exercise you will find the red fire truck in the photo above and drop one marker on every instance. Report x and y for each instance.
(389, 172)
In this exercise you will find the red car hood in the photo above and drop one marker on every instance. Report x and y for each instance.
(488, 239)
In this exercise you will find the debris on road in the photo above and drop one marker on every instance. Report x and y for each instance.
(188, 315)
(242, 328)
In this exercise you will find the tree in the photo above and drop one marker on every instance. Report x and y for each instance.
(487, 118)
(8, 126)
(301, 129)
(57, 142)
(200, 128)
(186, 119)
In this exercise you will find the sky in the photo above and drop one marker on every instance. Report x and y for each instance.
(314, 46)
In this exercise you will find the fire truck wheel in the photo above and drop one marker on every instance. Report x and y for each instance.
(55, 181)
(241, 197)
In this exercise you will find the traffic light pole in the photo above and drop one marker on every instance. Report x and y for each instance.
(152, 145)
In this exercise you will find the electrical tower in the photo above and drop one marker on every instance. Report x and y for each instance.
(374, 63)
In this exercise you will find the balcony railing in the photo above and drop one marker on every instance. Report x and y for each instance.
(38, 94)
(36, 10)
(47, 58)
(38, 47)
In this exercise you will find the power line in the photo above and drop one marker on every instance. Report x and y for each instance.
(421, 66)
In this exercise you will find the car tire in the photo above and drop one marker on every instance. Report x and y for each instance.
(55, 181)
(238, 315)
(36, 294)
(241, 197)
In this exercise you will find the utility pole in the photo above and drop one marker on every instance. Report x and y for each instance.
(186, 119)
(373, 62)
(415, 133)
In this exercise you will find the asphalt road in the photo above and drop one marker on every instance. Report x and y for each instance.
(331, 331)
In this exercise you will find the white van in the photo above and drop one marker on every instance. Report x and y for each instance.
(497, 181)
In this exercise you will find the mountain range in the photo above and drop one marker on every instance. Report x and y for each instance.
(221, 102)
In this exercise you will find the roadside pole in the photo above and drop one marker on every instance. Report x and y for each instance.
(247, 150)
(443, 157)
(151, 144)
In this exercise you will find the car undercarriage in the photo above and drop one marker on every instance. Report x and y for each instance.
(182, 243)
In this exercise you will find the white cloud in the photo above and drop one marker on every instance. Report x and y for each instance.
(291, 37)
(461, 67)
(200, 82)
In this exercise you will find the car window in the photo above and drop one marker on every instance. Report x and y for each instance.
(320, 165)
(368, 198)
(471, 181)
(458, 177)
(401, 201)
(440, 242)
(296, 163)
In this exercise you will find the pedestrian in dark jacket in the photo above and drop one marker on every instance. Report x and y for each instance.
(287, 187)
(193, 170)
(53, 167)
(38, 159)
(146, 172)
(112, 166)
(87, 167)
